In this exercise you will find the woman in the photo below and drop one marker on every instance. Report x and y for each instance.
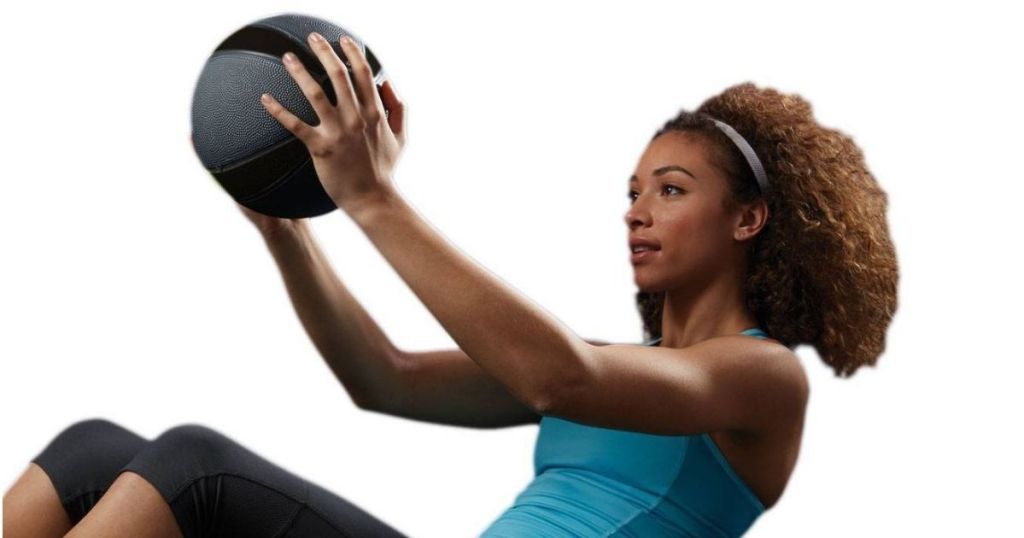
(746, 219)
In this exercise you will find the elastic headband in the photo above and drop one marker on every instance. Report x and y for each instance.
(748, 152)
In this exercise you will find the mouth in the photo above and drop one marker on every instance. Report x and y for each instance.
(642, 254)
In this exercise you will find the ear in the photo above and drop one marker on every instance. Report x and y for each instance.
(750, 218)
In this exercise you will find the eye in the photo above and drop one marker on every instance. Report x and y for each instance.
(632, 192)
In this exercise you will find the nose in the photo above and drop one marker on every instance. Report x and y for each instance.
(637, 215)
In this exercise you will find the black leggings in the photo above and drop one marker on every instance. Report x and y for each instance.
(214, 486)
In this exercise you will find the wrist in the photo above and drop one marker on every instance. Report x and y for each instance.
(282, 229)
(365, 209)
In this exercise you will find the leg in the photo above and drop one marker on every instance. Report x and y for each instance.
(32, 507)
(217, 487)
(131, 507)
(71, 473)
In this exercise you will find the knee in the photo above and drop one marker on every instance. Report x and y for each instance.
(197, 441)
(86, 455)
(94, 428)
(96, 438)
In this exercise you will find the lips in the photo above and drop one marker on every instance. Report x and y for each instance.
(642, 255)
(641, 249)
(635, 242)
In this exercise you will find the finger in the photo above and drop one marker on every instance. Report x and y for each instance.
(396, 108)
(338, 73)
(310, 88)
(297, 127)
(371, 107)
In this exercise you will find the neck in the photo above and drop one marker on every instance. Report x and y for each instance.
(692, 315)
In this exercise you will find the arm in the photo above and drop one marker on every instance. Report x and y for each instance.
(722, 383)
(535, 357)
(734, 383)
(448, 387)
(512, 339)
(444, 386)
(356, 350)
(353, 148)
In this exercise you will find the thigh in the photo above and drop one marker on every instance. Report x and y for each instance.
(217, 487)
(84, 459)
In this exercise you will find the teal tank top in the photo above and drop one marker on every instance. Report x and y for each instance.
(591, 481)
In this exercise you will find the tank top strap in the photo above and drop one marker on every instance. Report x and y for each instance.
(753, 331)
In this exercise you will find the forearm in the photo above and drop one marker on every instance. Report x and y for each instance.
(517, 342)
(350, 341)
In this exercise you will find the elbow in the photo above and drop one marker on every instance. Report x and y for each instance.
(362, 403)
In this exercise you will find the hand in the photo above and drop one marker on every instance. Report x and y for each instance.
(264, 223)
(268, 225)
(354, 149)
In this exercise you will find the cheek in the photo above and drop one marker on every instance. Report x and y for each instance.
(682, 230)
(691, 236)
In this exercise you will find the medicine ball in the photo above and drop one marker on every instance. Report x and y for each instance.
(262, 165)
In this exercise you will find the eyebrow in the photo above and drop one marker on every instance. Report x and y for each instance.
(666, 169)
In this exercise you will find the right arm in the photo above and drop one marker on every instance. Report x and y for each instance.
(449, 387)
(354, 347)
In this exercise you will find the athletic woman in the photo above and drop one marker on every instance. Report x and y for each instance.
(753, 229)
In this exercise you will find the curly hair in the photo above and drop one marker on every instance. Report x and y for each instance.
(823, 269)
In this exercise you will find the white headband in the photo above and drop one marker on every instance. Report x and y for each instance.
(748, 152)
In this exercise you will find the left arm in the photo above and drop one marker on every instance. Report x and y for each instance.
(734, 383)
(722, 383)
(511, 338)
(354, 149)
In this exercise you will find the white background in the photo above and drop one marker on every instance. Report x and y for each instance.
(134, 290)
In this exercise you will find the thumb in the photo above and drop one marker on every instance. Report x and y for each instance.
(396, 109)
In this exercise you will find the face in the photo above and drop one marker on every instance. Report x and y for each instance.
(676, 202)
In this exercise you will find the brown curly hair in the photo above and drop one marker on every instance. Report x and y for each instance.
(823, 269)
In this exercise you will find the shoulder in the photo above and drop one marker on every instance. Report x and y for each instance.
(763, 359)
(768, 376)
(734, 383)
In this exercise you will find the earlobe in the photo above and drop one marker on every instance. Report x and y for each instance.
(744, 233)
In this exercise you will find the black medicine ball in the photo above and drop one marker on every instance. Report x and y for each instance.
(261, 164)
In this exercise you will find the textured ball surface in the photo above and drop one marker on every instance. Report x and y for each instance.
(259, 163)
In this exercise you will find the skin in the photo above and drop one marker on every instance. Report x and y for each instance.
(749, 394)
(703, 246)
(32, 507)
(130, 507)
(700, 267)
(703, 249)
(356, 144)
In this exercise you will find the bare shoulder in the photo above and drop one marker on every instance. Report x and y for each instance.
(785, 387)
(774, 369)
(789, 366)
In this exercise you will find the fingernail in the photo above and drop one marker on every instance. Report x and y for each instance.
(289, 57)
(316, 37)
(346, 40)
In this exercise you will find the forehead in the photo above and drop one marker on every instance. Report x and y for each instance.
(674, 148)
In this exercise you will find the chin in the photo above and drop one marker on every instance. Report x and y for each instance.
(646, 287)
